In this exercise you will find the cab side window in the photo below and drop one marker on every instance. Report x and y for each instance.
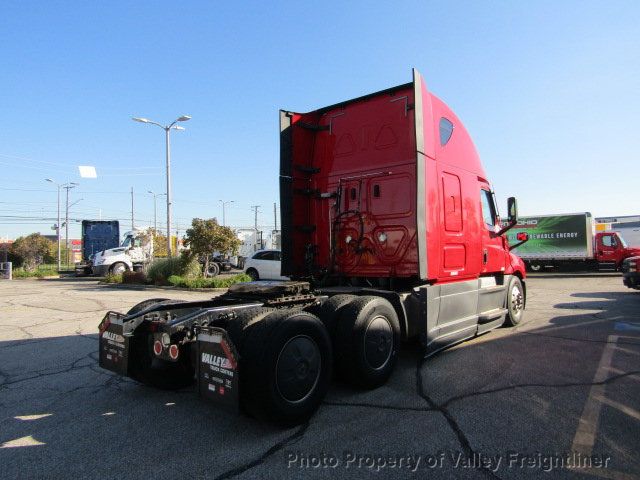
(488, 209)
(609, 241)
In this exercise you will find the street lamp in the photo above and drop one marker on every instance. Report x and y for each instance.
(155, 210)
(67, 186)
(224, 204)
(167, 129)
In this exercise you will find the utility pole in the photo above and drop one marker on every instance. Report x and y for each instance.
(275, 217)
(224, 218)
(58, 228)
(255, 225)
(133, 225)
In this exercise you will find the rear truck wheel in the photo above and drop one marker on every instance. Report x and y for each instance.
(238, 327)
(212, 270)
(253, 273)
(145, 304)
(329, 311)
(285, 367)
(514, 302)
(367, 341)
(149, 370)
(118, 268)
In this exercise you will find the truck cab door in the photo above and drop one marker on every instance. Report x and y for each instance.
(493, 253)
(607, 247)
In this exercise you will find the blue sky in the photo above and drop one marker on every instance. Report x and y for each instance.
(549, 91)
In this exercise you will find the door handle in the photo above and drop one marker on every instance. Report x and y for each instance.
(485, 256)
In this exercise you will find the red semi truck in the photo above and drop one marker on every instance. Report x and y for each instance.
(390, 231)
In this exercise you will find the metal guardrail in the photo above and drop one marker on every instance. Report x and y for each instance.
(6, 270)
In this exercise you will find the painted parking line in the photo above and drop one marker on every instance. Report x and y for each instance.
(585, 436)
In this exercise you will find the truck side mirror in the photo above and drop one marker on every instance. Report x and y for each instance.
(512, 207)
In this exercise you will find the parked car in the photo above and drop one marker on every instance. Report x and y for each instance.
(264, 265)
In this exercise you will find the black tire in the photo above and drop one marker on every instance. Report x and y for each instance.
(253, 273)
(145, 304)
(286, 367)
(118, 268)
(213, 270)
(329, 311)
(514, 302)
(237, 327)
(367, 341)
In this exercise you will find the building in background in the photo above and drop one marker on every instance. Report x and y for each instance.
(628, 226)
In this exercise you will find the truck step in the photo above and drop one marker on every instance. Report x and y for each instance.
(491, 315)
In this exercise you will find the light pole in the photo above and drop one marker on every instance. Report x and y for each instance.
(67, 187)
(167, 129)
(58, 224)
(155, 210)
(224, 204)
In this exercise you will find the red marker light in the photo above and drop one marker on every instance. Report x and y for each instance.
(104, 325)
(173, 352)
(157, 347)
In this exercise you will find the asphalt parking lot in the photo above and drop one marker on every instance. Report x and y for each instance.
(557, 393)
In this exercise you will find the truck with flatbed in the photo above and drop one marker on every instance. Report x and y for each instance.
(390, 232)
(570, 241)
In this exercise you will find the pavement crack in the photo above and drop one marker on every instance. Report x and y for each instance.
(291, 439)
(451, 421)
(381, 407)
(14, 379)
(608, 380)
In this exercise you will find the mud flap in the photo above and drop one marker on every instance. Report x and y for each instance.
(114, 345)
(218, 368)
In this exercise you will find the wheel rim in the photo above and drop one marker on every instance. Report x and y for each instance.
(517, 300)
(119, 269)
(378, 342)
(298, 368)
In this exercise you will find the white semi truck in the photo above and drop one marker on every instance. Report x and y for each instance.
(135, 251)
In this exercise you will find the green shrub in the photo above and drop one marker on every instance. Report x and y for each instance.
(163, 268)
(111, 278)
(22, 273)
(201, 282)
(40, 272)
